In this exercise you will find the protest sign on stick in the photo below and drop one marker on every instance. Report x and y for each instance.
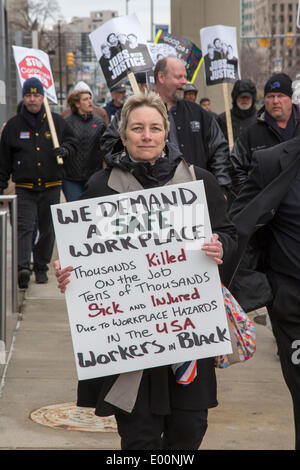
(185, 49)
(36, 63)
(221, 64)
(142, 292)
(228, 115)
(121, 47)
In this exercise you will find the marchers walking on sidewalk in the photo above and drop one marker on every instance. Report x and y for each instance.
(27, 154)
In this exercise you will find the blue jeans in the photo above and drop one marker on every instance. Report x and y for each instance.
(72, 189)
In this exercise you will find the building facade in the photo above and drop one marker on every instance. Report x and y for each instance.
(274, 24)
(188, 17)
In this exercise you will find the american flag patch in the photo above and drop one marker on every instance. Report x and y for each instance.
(24, 135)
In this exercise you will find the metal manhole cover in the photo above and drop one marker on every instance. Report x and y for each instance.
(70, 417)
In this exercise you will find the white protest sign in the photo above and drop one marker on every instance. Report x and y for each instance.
(158, 51)
(220, 53)
(121, 47)
(35, 63)
(142, 293)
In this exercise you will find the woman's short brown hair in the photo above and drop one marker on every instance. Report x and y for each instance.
(151, 99)
(74, 98)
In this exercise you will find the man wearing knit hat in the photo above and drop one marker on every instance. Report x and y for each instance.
(27, 155)
(277, 121)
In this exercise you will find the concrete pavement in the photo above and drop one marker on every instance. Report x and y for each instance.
(254, 412)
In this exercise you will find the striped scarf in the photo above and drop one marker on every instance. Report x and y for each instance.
(185, 372)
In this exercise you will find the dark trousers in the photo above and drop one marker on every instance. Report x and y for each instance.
(35, 206)
(72, 189)
(285, 319)
(144, 430)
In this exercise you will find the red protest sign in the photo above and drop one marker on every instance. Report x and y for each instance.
(31, 66)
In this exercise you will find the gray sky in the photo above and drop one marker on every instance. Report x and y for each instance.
(161, 10)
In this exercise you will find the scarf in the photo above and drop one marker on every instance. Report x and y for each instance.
(35, 121)
(285, 134)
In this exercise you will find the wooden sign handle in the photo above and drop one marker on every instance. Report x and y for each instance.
(52, 129)
(228, 115)
(133, 83)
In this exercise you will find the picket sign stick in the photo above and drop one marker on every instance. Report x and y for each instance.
(228, 115)
(133, 83)
(52, 129)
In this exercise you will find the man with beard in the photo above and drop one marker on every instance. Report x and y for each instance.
(243, 111)
(118, 94)
(194, 131)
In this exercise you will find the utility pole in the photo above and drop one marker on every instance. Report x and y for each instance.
(3, 63)
(151, 20)
(60, 65)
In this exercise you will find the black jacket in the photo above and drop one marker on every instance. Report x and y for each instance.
(111, 109)
(200, 140)
(270, 175)
(88, 130)
(200, 394)
(26, 153)
(240, 119)
(258, 136)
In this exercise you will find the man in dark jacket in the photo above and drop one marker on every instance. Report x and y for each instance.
(27, 154)
(118, 94)
(243, 111)
(195, 132)
(267, 209)
(277, 121)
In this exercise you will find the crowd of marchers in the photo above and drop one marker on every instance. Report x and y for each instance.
(147, 140)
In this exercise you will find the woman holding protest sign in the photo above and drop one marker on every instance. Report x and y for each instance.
(154, 408)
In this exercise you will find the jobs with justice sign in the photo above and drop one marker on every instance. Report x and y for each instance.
(220, 54)
(120, 47)
(142, 292)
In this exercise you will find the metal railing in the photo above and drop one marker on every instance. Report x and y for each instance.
(3, 266)
(12, 200)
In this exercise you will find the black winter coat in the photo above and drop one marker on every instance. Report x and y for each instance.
(200, 140)
(88, 130)
(165, 392)
(270, 175)
(26, 153)
(258, 136)
(111, 109)
(240, 119)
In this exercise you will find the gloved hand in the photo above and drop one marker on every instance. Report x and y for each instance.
(60, 152)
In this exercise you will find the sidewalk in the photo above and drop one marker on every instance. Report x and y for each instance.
(254, 411)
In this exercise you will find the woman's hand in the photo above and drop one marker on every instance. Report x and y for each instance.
(62, 276)
(214, 249)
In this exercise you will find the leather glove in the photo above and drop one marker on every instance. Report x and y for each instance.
(60, 152)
